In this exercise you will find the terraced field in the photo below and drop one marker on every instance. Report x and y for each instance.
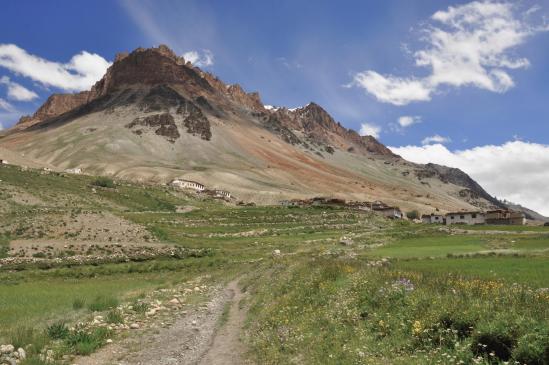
(321, 285)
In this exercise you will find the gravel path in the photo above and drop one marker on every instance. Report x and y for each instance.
(193, 338)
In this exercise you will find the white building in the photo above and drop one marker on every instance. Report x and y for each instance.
(187, 184)
(4, 162)
(222, 194)
(390, 212)
(76, 171)
(469, 218)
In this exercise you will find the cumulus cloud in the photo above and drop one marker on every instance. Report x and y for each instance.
(391, 89)
(408, 120)
(517, 170)
(435, 139)
(466, 45)
(369, 129)
(80, 73)
(16, 91)
(200, 59)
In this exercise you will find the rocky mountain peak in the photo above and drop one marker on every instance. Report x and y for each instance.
(313, 115)
(150, 66)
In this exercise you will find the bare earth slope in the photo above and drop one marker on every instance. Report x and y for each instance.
(154, 117)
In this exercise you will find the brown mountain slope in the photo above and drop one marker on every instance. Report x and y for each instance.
(155, 117)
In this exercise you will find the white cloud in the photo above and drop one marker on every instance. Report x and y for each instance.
(391, 89)
(435, 139)
(408, 120)
(4, 105)
(466, 45)
(368, 129)
(517, 170)
(1, 126)
(200, 60)
(80, 73)
(16, 91)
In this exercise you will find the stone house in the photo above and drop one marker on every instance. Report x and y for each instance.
(433, 219)
(468, 218)
(187, 184)
(390, 212)
(319, 200)
(505, 217)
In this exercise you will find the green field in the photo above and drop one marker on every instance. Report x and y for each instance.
(432, 246)
(432, 299)
(506, 228)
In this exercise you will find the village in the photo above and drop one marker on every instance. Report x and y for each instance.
(492, 217)
(201, 188)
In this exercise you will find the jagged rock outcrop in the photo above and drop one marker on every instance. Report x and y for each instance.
(152, 66)
(163, 125)
(320, 128)
(235, 93)
(249, 100)
(164, 98)
(55, 105)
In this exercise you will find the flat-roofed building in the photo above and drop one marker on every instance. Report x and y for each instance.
(469, 218)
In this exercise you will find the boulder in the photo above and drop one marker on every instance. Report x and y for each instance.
(6, 349)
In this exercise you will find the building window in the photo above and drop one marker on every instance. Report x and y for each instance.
(461, 217)
(452, 217)
(474, 215)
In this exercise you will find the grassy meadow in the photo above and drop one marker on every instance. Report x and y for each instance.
(394, 293)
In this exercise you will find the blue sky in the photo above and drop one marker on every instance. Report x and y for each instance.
(358, 59)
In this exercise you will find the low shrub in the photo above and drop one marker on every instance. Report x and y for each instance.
(413, 214)
(458, 322)
(102, 303)
(114, 316)
(496, 338)
(103, 182)
(140, 307)
(84, 343)
(57, 331)
(532, 349)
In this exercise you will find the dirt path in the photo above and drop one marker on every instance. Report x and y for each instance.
(227, 349)
(194, 338)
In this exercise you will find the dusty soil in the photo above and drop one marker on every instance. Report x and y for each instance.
(84, 226)
(67, 247)
(19, 196)
(194, 337)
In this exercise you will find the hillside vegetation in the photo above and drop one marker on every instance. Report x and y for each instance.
(323, 285)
